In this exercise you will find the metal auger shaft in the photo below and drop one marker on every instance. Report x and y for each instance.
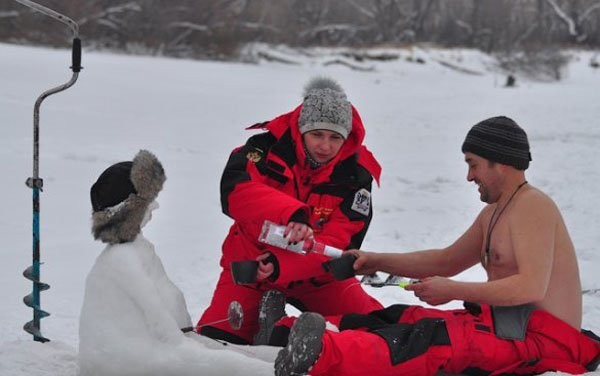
(36, 183)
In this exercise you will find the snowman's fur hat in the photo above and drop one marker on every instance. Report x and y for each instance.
(121, 195)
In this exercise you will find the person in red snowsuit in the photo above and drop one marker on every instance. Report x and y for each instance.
(404, 340)
(525, 319)
(308, 171)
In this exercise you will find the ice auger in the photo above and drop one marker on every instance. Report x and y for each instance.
(36, 183)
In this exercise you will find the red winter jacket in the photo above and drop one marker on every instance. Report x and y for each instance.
(268, 178)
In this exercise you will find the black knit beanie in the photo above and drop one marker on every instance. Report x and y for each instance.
(499, 139)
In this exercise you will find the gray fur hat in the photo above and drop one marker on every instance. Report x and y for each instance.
(121, 196)
(325, 106)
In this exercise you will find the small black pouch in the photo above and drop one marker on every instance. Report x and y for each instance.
(511, 322)
(244, 272)
(341, 268)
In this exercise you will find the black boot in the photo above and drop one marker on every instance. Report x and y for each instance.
(271, 309)
(304, 346)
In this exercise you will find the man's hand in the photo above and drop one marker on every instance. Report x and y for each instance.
(296, 232)
(433, 290)
(366, 262)
(265, 269)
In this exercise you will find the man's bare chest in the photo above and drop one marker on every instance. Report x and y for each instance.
(497, 253)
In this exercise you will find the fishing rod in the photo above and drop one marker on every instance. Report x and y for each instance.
(374, 280)
(36, 183)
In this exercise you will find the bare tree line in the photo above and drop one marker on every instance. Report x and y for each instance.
(217, 28)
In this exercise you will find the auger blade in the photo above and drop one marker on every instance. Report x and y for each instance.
(28, 273)
(30, 328)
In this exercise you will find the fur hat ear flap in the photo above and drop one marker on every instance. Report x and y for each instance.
(147, 175)
(121, 222)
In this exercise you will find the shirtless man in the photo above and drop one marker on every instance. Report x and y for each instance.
(530, 257)
(525, 319)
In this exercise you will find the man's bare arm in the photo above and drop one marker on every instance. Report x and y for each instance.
(532, 228)
(449, 261)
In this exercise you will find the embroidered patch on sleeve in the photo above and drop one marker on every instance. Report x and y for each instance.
(254, 156)
(362, 202)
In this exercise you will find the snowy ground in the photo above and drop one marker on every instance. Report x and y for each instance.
(191, 114)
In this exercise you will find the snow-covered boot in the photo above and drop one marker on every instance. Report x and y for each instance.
(271, 309)
(304, 346)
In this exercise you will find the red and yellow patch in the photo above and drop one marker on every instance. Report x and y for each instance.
(322, 211)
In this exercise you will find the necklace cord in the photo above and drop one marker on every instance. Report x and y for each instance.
(492, 224)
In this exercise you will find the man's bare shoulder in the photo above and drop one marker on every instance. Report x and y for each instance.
(535, 202)
(485, 213)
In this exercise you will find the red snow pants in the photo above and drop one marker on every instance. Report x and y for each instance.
(473, 348)
(331, 298)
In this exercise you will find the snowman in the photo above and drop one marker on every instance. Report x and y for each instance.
(132, 316)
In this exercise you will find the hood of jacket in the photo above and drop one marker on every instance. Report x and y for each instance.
(352, 145)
